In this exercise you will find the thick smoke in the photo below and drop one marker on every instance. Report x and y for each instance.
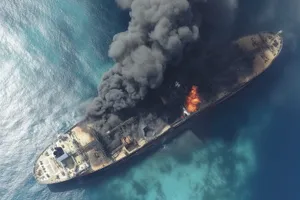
(157, 33)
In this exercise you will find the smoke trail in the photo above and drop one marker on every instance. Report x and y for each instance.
(157, 33)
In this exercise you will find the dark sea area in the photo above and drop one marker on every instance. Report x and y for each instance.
(52, 56)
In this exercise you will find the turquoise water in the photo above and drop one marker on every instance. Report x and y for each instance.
(52, 55)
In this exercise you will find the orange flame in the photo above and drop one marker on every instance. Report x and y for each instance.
(192, 100)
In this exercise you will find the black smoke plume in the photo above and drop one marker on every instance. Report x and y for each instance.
(157, 34)
(160, 30)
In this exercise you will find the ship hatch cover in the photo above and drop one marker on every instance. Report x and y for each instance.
(147, 131)
(58, 152)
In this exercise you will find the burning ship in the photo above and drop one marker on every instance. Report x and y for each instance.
(83, 150)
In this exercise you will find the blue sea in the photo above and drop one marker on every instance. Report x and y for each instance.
(52, 56)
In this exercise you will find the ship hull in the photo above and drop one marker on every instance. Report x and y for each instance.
(262, 59)
(176, 129)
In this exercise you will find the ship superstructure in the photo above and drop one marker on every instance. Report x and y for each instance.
(83, 150)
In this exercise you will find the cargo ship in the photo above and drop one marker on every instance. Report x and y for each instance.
(184, 93)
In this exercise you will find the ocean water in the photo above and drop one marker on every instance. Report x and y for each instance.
(52, 56)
